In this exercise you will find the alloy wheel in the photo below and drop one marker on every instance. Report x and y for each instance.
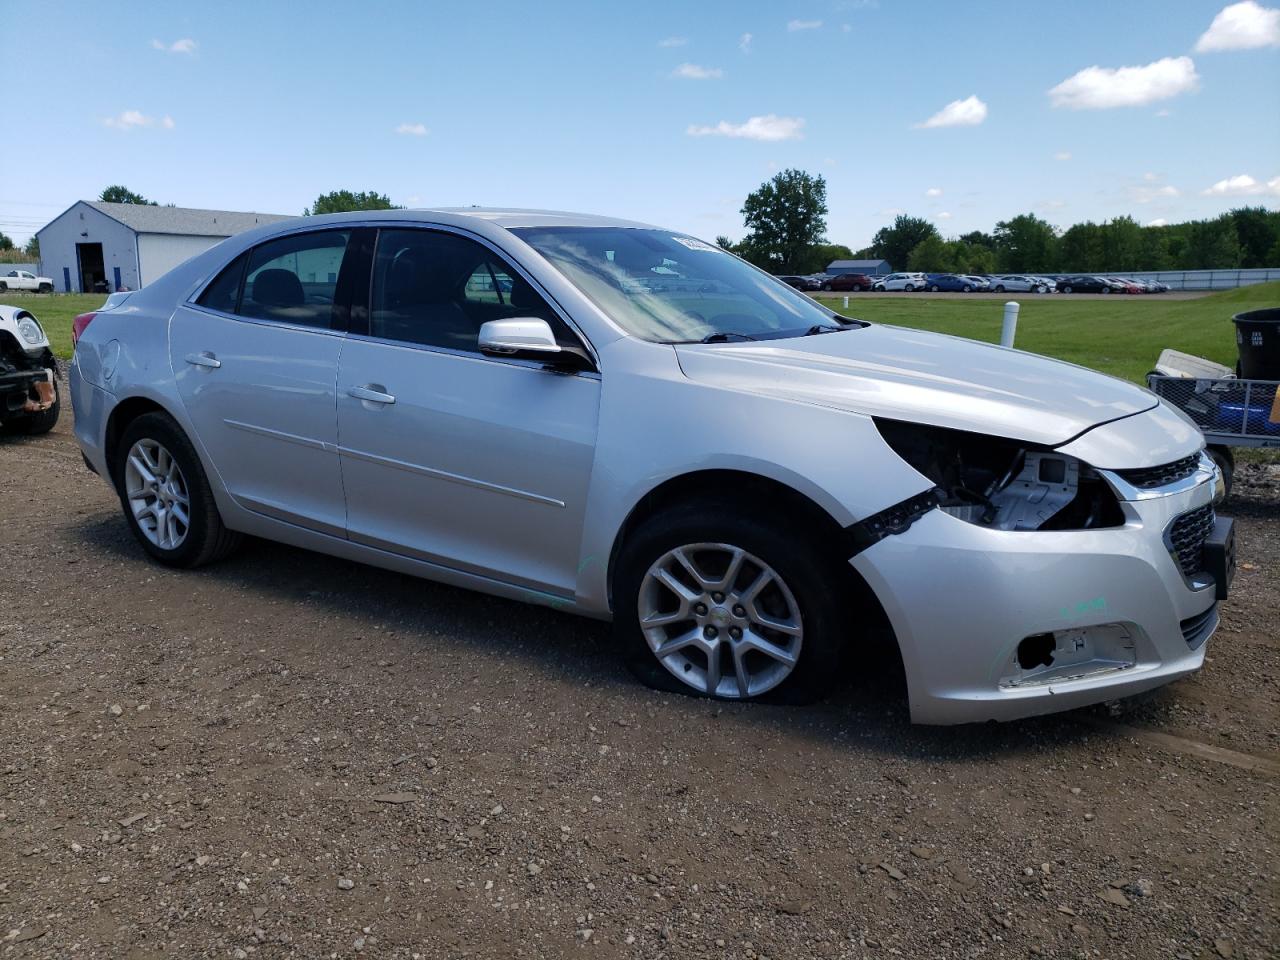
(720, 620)
(157, 494)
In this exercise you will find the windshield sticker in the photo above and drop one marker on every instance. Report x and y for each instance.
(694, 244)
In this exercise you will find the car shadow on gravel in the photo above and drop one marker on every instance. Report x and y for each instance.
(867, 711)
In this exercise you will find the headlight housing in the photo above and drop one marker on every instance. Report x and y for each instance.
(1004, 484)
(29, 330)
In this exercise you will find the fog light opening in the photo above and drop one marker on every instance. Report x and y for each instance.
(1036, 651)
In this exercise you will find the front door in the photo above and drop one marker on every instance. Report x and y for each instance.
(475, 463)
(256, 362)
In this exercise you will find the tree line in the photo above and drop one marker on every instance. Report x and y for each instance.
(786, 223)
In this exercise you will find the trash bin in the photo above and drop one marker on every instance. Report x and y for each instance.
(1258, 340)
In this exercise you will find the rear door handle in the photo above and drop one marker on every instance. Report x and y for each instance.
(205, 359)
(373, 392)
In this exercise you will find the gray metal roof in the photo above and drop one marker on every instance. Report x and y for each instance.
(854, 264)
(183, 221)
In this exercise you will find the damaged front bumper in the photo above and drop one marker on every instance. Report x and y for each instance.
(999, 624)
(27, 391)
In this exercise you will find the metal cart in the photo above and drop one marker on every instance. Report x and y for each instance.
(1230, 412)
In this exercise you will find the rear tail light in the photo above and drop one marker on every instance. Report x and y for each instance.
(78, 326)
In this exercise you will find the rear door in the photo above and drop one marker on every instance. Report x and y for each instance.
(255, 357)
(477, 463)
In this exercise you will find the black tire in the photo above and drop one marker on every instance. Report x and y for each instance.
(810, 570)
(934, 288)
(826, 286)
(1226, 463)
(1066, 289)
(857, 288)
(46, 288)
(967, 289)
(3, 286)
(35, 424)
(1106, 290)
(909, 287)
(999, 288)
(207, 537)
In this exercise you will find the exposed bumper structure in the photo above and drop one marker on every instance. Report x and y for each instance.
(1000, 624)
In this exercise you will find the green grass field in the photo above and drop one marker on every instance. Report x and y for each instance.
(1122, 336)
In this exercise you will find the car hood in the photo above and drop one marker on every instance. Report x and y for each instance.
(928, 378)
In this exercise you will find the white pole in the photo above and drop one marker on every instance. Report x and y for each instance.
(846, 302)
(1010, 326)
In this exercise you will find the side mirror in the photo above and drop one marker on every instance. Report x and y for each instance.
(529, 338)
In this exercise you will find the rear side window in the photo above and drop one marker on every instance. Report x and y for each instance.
(224, 293)
(294, 279)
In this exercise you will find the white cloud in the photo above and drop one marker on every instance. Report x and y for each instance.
(1100, 88)
(958, 113)
(185, 45)
(795, 25)
(1141, 194)
(412, 129)
(890, 212)
(744, 43)
(135, 119)
(933, 192)
(769, 127)
(1158, 222)
(944, 215)
(1243, 185)
(1241, 26)
(1062, 155)
(1151, 177)
(691, 71)
(673, 42)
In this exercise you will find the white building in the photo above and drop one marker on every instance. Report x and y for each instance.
(109, 246)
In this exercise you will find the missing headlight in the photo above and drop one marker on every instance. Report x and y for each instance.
(1004, 484)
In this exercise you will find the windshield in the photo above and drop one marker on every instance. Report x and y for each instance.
(670, 288)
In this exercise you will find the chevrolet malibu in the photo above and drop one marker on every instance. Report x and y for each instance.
(632, 424)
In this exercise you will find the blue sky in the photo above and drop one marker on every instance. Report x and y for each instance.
(644, 110)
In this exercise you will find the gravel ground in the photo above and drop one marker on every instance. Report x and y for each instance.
(290, 755)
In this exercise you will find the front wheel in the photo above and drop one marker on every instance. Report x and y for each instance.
(1105, 290)
(165, 495)
(1066, 289)
(718, 603)
(999, 289)
(857, 288)
(46, 288)
(934, 288)
(967, 289)
(1226, 464)
(826, 286)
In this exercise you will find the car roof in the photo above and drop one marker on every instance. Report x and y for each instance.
(506, 217)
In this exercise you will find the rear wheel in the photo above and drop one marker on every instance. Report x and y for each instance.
(165, 495)
(1000, 288)
(1066, 289)
(909, 287)
(826, 286)
(934, 288)
(857, 288)
(712, 602)
(967, 289)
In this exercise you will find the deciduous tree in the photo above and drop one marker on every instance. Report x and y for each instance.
(785, 216)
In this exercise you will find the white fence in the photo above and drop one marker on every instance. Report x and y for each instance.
(1200, 279)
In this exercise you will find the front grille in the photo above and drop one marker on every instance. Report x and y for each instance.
(1187, 536)
(1195, 630)
(1163, 475)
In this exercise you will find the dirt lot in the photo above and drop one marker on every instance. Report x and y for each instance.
(289, 755)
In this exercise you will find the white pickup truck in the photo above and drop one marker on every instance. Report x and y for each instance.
(22, 280)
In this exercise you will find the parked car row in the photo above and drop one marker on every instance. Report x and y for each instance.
(971, 283)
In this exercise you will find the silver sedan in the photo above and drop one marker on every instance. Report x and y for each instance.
(629, 423)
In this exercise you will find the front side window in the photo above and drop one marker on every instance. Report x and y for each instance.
(294, 279)
(436, 289)
(669, 288)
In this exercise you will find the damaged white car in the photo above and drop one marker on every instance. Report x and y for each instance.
(632, 424)
(29, 401)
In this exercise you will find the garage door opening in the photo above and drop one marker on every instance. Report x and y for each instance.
(93, 273)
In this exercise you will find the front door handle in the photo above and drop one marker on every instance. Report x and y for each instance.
(373, 392)
(205, 359)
